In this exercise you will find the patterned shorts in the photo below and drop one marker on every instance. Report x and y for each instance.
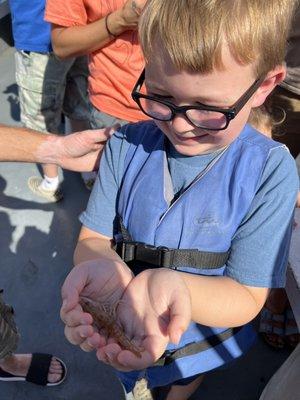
(49, 87)
(9, 336)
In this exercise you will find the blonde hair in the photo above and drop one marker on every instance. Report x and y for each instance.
(193, 32)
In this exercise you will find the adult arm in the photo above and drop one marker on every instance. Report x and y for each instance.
(79, 151)
(71, 41)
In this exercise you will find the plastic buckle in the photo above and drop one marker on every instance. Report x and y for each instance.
(165, 256)
(128, 251)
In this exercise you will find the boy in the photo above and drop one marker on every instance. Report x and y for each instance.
(191, 198)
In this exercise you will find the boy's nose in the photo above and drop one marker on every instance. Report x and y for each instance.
(181, 124)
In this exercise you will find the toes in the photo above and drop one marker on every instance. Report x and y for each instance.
(54, 377)
(55, 367)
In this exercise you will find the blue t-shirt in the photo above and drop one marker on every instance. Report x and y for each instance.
(30, 31)
(262, 238)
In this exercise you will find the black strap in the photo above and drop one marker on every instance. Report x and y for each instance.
(39, 369)
(212, 341)
(142, 255)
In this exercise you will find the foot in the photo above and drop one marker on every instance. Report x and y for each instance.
(53, 196)
(18, 364)
(272, 318)
(292, 335)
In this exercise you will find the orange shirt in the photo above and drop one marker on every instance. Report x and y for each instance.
(115, 68)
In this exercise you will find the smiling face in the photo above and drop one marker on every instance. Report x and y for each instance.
(220, 88)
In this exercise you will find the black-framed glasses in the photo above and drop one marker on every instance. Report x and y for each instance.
(201, 116)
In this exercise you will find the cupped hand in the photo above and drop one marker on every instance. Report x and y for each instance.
(155, 309)
(101, 280)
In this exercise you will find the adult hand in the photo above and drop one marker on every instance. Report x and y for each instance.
(80, 151)
(101, 280)
(131, 12)
(152, 312)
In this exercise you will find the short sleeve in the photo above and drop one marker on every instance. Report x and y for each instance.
(259, 251)
(101, 209)
(65, 12)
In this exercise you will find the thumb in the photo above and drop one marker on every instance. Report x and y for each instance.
(71, 289)
(180, 317)
(109, 131)
(103, 134)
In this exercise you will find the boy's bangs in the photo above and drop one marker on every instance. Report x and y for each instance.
(193, 32)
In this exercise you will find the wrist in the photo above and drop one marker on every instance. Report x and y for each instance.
(51, 150)
(115, 23)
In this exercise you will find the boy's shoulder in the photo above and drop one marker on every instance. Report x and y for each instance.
(253, 137)
(279, 162)
(144, 133)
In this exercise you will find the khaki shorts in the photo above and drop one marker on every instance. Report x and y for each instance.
(9, 336)
(49, 87)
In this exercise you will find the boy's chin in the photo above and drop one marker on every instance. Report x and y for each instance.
(196, 150)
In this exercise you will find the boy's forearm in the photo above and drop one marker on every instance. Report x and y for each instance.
(94, 248)
(79, 40)
(223, 302)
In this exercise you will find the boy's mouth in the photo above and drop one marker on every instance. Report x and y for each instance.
(191, 138)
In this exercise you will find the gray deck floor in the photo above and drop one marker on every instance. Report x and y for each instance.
(36, 246)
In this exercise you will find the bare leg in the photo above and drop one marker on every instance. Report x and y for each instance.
(50, 170)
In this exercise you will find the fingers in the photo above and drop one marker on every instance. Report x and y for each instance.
(79, 334)
(112, 354)
(72, 287)
(85, 337)
(102, 135)
(154, 347)
(180, 317)
(76, 317)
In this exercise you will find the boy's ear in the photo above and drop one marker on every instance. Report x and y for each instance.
(273, 78)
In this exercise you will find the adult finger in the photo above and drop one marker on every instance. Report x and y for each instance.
(101, 135)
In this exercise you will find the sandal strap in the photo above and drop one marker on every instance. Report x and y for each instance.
(266, 324)
(268, 315)
(39, 369)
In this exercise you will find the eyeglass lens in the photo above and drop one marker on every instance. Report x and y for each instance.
(200, 118)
